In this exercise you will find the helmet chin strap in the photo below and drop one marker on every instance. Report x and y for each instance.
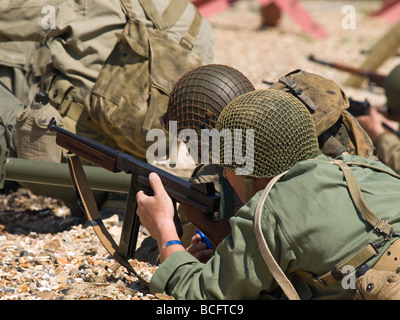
(248, 188)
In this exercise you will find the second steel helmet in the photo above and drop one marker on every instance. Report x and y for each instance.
(199, 96)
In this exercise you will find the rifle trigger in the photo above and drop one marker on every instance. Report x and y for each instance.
(177, 220)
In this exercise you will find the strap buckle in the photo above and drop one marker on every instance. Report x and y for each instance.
(375, 247)
(383, 227)
(321, 282)
(186, 43)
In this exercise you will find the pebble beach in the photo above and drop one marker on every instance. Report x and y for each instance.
(48, 254)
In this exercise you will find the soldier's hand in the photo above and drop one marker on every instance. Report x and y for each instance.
(156, 212)
(373, 124)
(199, 249)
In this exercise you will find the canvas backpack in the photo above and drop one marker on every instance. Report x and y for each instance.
(132, 90)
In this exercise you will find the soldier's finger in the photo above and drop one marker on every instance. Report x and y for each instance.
(156, 184)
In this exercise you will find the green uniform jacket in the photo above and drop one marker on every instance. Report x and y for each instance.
(309, 223)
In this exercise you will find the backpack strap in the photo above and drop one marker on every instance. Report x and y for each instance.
(173, 12)
(187, 40)
(380, 225)
(170, 17)
(273, 266)
(127, 8)
(152, 13)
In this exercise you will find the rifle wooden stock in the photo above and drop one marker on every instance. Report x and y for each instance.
(207, 223)
(102, 156)
(377, 78)
(200, 197)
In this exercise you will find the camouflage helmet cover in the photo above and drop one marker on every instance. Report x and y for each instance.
(199, 96)
(325, 99)
(336, 128)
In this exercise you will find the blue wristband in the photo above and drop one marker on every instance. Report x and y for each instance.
(172, 242)
(204, 239)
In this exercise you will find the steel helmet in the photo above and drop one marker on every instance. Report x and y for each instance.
(282, 128)
(199, 96)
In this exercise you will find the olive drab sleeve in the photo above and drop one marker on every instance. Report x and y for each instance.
(236, 271)
(388, 149)
(79, 35)
(302, 234)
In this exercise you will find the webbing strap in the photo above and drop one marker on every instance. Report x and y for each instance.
(170, 15)
(187, 40)
(152, 13)
(248, 187)
(269, 259)
(294, 87)
(377, 223)
(127, 8)
(169, 18)
(335, 275)
(373, 168)
(86, 196)
(173, 12)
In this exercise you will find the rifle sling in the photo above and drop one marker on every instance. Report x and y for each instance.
(90, 207)
(269, 259)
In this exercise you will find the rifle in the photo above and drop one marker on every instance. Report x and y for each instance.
(200, 197)
(374, 77)
(361, 108)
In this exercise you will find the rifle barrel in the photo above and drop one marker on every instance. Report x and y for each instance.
(377, 78)
(339, 66)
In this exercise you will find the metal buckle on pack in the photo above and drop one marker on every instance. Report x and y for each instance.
(377, 223)
(375, 247)
(186, 43)
(337, 274)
